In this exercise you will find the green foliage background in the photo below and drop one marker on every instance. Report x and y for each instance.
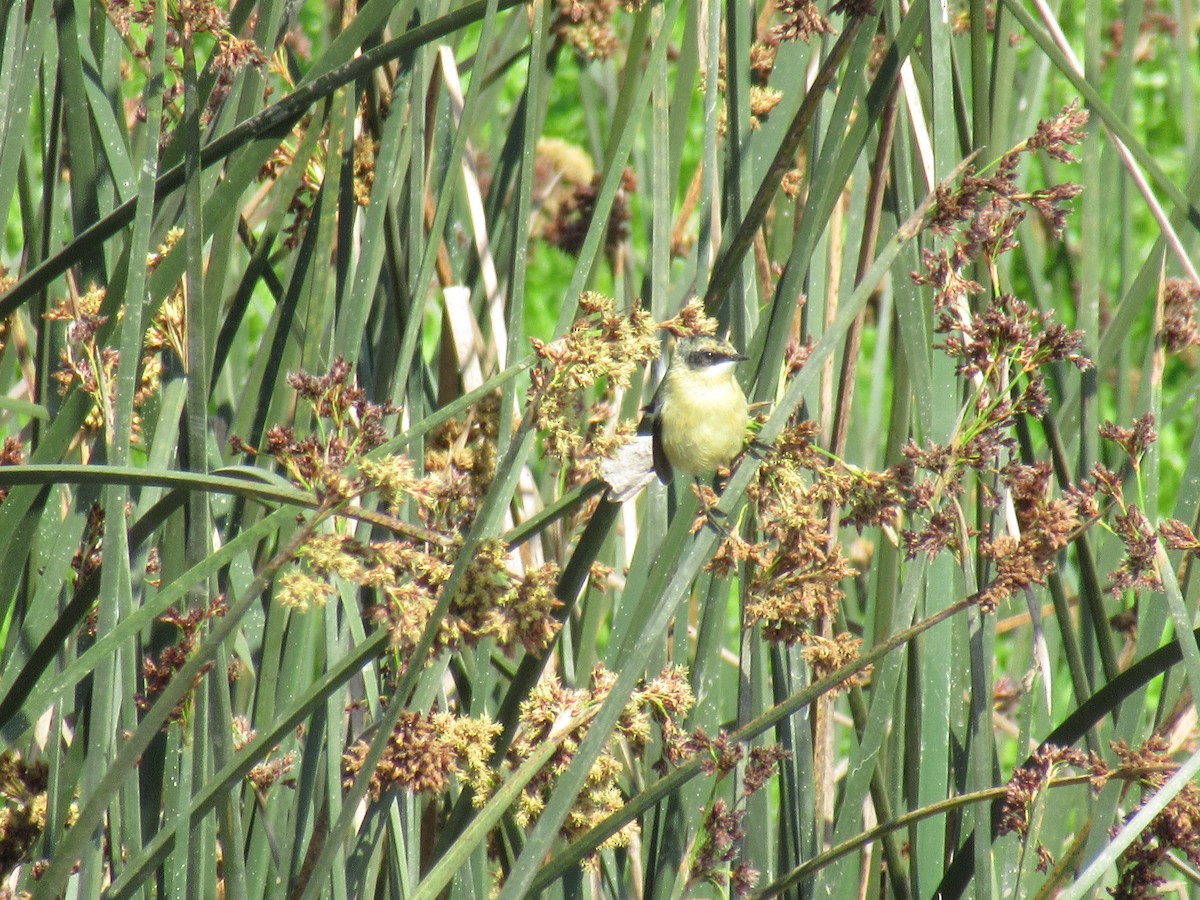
(339, 197)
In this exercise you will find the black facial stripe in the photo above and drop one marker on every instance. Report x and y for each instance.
(699, 358)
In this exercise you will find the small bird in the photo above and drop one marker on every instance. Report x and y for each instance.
(699, 414)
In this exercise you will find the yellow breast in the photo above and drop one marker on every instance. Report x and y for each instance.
(704, 415)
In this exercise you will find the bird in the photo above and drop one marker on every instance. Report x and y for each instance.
(698, 416)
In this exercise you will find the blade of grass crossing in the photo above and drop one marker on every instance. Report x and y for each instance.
(662, 179)
(57, 544)
(411, 236)
(316, 301)
(301, 653)
(797, 828)
(178, 787)
(867, 753)
(1100, 866)
(202, 868)
(981, 763)
(1181, 619)
(707, 242)
(364, 280)
(230, 830)
(760, 843)
(81, 154)
(686, 68)
(23, 50)
(1002, 80)
(335, 739)
(539, 83)
(1088, 303)
(738, 308)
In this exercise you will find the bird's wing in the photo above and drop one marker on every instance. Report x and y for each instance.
(650, 411)
(662, 465)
